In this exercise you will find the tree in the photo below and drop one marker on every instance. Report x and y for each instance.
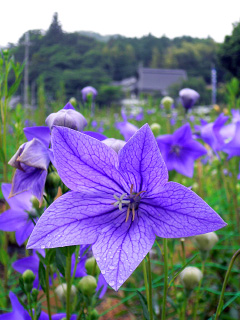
(54, 33)
(229, 52)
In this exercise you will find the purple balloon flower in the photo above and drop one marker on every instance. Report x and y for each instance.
(118, 203)
(210, 133)
(180, 150)
(31, 161)
(19, 313)
(188, 97)
(89, 91)
(232, 148)
(17, 218)
(67, 117)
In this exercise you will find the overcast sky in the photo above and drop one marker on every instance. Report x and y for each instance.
(132, 18)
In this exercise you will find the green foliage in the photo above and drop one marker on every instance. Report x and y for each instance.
(108, 95)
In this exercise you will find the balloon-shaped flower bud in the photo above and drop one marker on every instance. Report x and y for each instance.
(167, 103)
(61, 292)
(67, 117)
(115, 144)
(73, 102)
(155, 127)
(205, 242)
(52, 183)
(88, 285)
(35, 293)
(190, 277)
(28, 278)
(94, 315)
(188, 97)
(91, 267)
(89, 92)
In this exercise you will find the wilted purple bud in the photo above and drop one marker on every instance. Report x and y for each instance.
(115, 144)
(89, 91)
(67, 117)
(188, 97)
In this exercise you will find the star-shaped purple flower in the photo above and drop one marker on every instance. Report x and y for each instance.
(17, 217)
(232, 148)
(118, 203)
(180, 150)
(19, 313)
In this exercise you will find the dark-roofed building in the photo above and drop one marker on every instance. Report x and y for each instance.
(152, 80)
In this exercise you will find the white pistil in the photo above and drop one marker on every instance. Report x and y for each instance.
(120, 201)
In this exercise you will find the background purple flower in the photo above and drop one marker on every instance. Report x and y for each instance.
(119, 202)
(89, 91)
(180, 150)
(188, 97)
(17, 218)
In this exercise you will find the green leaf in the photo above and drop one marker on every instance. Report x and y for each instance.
(50, 256)
(66, 250)
(42, 276)
(42, 259)
(143, 302)
(3, 257)
(60, 261)
(14, 87)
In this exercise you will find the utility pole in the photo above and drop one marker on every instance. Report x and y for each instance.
(214, 85)
(26, 60)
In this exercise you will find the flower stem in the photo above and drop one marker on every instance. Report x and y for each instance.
(30, 305)
(195, 308)
(47, 292)
(150, 306)
(165, 250)
(146, 280)
(219, 307)
(69, 284)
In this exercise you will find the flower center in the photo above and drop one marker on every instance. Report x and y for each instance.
(132, 201)
(176, 149)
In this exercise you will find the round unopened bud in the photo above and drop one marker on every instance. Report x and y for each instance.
(167, 102)
(155, 127)
(28, 278)
(94, 315)
(35, 202)
(190, 277)
(53, 180)
(61, 292)
(73, 102)
(88, 285)
(179, 297)
(205, 242)
(115, 144)
(91, 266)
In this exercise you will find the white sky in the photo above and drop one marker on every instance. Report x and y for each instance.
(131, 18)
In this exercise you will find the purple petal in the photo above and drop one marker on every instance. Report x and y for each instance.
(20, 201)
(73, 219)
(30, 179)
(141, 163)
(18, 313)
(84, 163)
(178, 212)
(24, 232)
(11, 220)
(121, 247)
(23, 264)
(233, 147)
(102, 283)
(41, 133)
(95, 135)
(67, 118)
(182, 134)
(35, 154)
(69, 106)
(126, 129)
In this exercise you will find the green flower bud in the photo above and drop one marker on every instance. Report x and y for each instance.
(52, 183)
(28, 278)
(35, 202)
(180, 296)
(35, 294)
(73, 102)
(190, 277)
(155, 127)
(94, 315)
(91, 267)
(61, 292)
(205, 242)
(88, 285)
(167, 102)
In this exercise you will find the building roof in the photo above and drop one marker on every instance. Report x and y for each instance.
(159, 79)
